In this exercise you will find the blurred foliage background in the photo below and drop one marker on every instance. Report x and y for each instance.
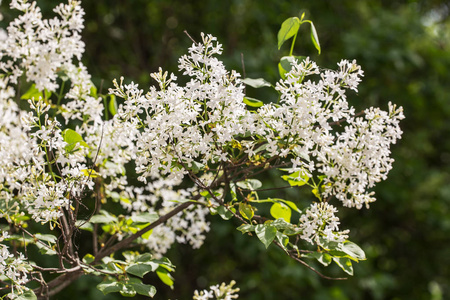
(404, 49)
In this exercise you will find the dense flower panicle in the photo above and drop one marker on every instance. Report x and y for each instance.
(361, 156)
(319, 221)
(353, 160)
(182, 124)
(42, 48)
(14, 268)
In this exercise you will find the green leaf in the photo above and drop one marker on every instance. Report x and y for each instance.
(112, 105)
(353, 250)
(144, 289)
(92, 90)
(165, 263)
(104, 217)
(46, 237)
(224, 213)
(324, 258)
(146, 235)
(109, 286)
(72, 138)
(244, 228)
(256, 83)
(33, 92)
(81, 224)
(89, 173)
(141, 269)
(288, 29)
(165, 277)
(246, 210)
(281, 211)
(45, 250)
(252, 102)
(145, 218)
(145, 257)
(196, 167)
(127, 290)
(249, 184)
(316, 193)
(315, 37)
(281, 224)
(345, 264)
(266, 233)
(281, 71)
(27, 295)
(233, 191)
(282, 239)
(298, 178)
(292, 205)
(88, 258)
(285, 64)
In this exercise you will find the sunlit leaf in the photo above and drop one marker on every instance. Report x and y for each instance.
(33, 92)
(252, 102)
(165, 277)
(225, 213)
(112, 105)
(244, 228)
(145, 218)
(288, 29)
(27, 295)
(246, 210)
(265, 233)
(109, 286)
(315, 37)
(88, 258)
(72, 138)
(89, 173)
(256, 83)
(144, 289)
(281, 211)
(345, 264)
(249, 184)
(353, 250)
(127, 290)
(142, 268)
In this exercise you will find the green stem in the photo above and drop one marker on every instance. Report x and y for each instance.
(60, 94)
(292, 45)
(105, 103)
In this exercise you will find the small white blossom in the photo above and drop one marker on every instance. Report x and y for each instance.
(222, 292)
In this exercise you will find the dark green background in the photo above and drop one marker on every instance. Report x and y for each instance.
(404, 49)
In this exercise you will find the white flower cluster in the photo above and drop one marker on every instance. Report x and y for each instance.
(40, 173)
(13, 268)
(187, 227)
(319, 222)
(222, 292)
(42, 47)
(182, 125)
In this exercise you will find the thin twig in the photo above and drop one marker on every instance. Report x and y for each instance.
(190, 37)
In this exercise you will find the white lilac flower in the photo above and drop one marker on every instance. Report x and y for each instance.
(224, 292)
(319, 221)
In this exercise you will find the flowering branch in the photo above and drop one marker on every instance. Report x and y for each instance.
(198, 149)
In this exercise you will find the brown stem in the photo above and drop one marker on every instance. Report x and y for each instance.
(58, 284)
(126, 242)
(294, 256)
